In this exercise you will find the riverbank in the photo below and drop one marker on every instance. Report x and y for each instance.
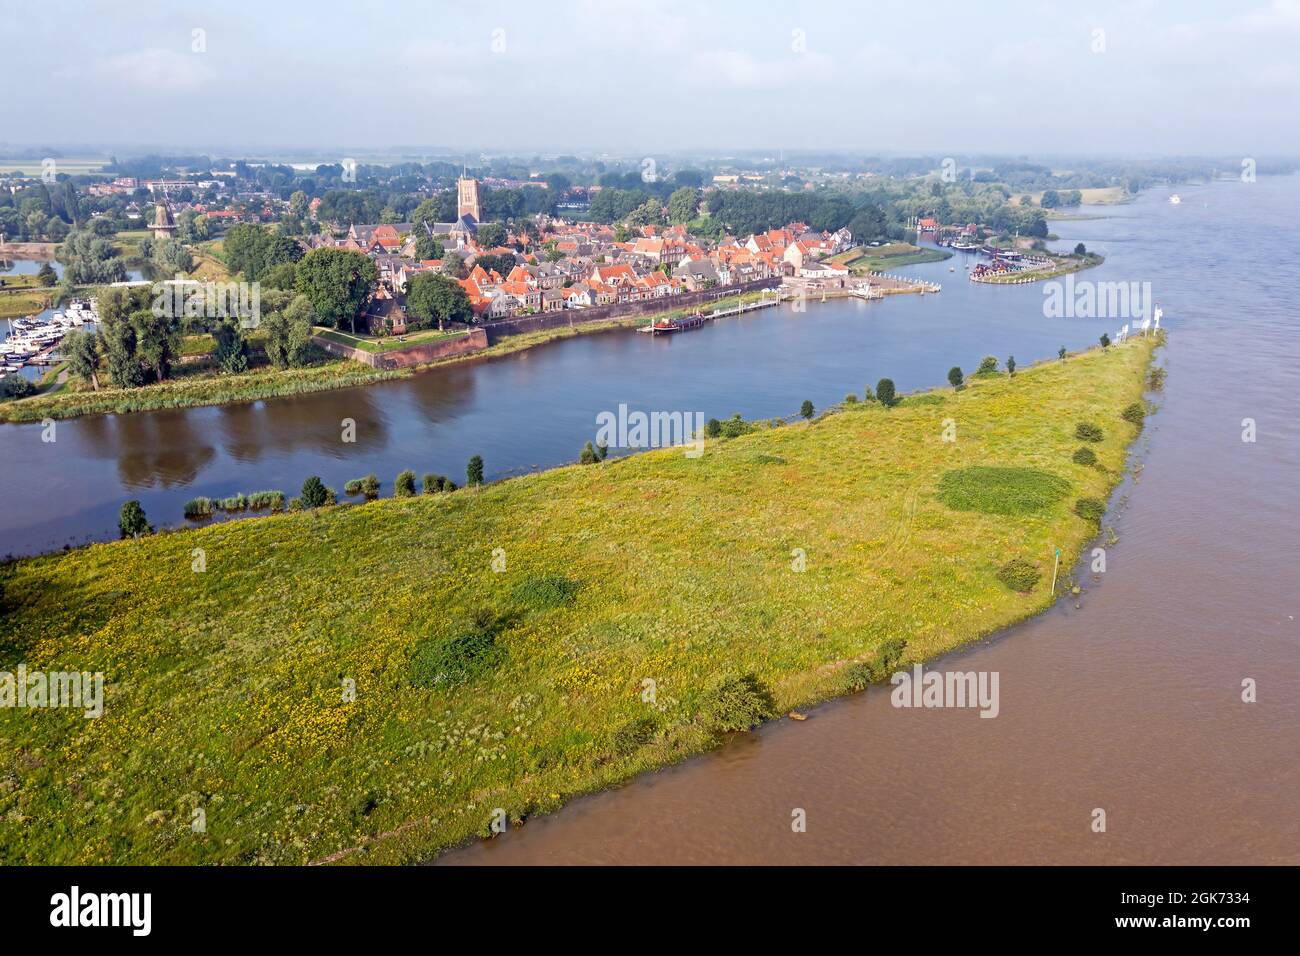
(631, 600)
(1061, 265)
(265, 382)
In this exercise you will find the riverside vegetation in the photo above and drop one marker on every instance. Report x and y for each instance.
(513, 645)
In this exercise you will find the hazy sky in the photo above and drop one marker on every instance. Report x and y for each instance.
(1134, 78)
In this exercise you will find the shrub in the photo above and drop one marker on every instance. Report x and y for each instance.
(1084, 455)
(851, 399)
(1087, 431)
(14, 385)
(331, 497)
(370, 486)
(988, 366)
(738, 703)
(433, 484)
(806, 409)
(295, 504)
(1019, 575)
(868, 395)
(453, 660)
(131, 520)
(602, 450)
(1001, 491)
(1104, 340)
(863, 673)
(313, 493)
(1134, 414)
(404, 485)
(1090, 509)
(1061, 353)
(712, 428)
(955, 378)
(635, 734)
(198, 507)
(552, 590)
(588, 456)
(885, 393)
(474, 471)
(234, 503)
(353, 487)
(1156, 378)
(1011, 365)
(735, 426)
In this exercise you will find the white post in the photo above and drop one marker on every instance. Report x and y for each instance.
(1055, 565)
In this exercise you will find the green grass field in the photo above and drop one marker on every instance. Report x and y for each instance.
(376, 344)
(889, 256)
(515, 689)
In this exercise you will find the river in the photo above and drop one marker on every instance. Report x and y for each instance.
(1130, 703)
(530, 410)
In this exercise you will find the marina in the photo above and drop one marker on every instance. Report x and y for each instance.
(34, 340)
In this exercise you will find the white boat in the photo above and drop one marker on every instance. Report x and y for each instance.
(1175, 199)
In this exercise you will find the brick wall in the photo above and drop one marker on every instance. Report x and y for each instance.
(475, 340)
(621, 310)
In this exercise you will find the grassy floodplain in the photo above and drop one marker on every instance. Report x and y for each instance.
(518, 689)
(890, 256)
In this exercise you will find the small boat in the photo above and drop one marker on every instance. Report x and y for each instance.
(668, 326)
(1175, 199)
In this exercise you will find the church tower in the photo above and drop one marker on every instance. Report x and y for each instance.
(467, 198)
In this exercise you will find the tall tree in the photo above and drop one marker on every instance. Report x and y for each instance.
(438, 298)
(80, 349)
(337, 283)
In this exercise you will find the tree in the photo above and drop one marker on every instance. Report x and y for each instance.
(46, 275)
(588, 456)
(288, 333)
(988, 365)
(131, 520)
(1011, 365)
(80, 350)
(955, 377)
(806, 409)
(474, 471)
(427, 247)
(1051, 199)
(14, 385)
(157, 341)
(885, 393)
(437, 298)
(682, 204)
(1080, 250)
(313, 493)
(1061, 353)
(337, 283)
(1105, 340)
(231, 352)
(490, 235)
(404, 486)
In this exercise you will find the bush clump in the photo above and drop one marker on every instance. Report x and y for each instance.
(635, 734)
(1083, 455)
(552, 590)
(1001, 491)
(404, 485)
(738, 703)
(443, 662)
(261, 500)
(234, 503)
(1090, 508)
(864, 673)
(1134, 414)
(1087, 431)
(988, 366)
(198, 507)
(1019, 575)
(433, 484)
(314, 494)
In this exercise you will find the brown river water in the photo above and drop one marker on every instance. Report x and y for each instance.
(1130, 702)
